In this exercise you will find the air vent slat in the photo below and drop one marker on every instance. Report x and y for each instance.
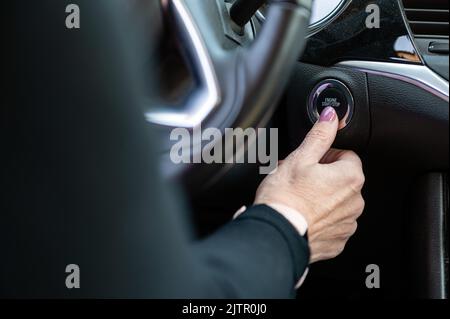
(428, 18)
(426, 4)
(427, 15)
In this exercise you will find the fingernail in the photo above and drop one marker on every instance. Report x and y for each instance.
(328, 115)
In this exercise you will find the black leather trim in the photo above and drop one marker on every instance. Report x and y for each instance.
(428, 251)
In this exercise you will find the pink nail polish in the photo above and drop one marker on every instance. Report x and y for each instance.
(328, 115)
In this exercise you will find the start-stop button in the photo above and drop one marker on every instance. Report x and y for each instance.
(335, 94)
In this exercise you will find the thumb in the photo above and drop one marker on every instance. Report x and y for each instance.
(321, 137)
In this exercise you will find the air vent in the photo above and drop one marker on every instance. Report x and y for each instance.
(428, 18)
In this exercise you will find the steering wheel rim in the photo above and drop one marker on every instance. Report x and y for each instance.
(238, 87)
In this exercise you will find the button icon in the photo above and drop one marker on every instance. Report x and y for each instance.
(335, 94)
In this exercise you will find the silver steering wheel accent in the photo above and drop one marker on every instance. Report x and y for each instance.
(202, 101)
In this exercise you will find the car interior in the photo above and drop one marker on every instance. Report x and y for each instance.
(398, 82)
(262, 64)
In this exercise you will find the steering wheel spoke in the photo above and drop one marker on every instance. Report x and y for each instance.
(207, 96)
(239, 86)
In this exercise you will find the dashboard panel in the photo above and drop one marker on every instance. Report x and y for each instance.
(338, 32)
(348, 37)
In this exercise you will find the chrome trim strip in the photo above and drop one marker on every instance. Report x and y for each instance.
(418, 75)
(201, 102)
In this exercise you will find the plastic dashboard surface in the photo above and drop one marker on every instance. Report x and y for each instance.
(348, 38)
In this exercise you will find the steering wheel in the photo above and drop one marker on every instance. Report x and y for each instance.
(235, 87)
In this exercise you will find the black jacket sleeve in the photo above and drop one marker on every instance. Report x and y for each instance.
(258, 255)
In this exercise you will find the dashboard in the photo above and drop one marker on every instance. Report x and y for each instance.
(409, 42)
(394, 86)
(338, 32)
(395, 78)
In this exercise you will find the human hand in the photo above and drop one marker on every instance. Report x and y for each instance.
(322, 184)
